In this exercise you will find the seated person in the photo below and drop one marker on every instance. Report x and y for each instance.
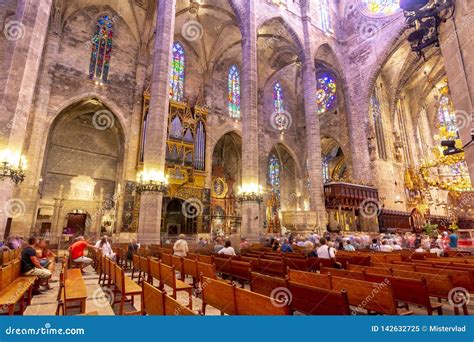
(104, 246)
(46, 257)
(227, 250)
(30, 265)
(325, 251)
(419, 249)
(286, 247)
(77, 252)
(385, 247)
(348, 246)
(396, 246)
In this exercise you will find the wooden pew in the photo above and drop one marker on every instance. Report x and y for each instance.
(208, 270)
(439, 285)
(460, 278)
(317, 301)
(366, 295)
(154, 268)
(144, 270)
(126, 287)
(177, 263)
(72, 289)
(207, 259)
(219, 295)
(190, 269)
(409, 291)
(300, 297)
(310, 279)
(156, 302)
(240, 271)
(371, 270)
(234, 301)
(166, 259)
(136, 267)
(168, 277)
(272, 267)
(251, 303)
(222, 266)
(343, 273)
(15, 288)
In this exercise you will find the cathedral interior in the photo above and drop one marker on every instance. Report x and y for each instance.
(149, 119)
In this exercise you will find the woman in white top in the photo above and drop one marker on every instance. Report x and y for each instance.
(104, 246)
(227, 250)
(180, 247)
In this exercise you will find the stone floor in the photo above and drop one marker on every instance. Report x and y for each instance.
(99, 299)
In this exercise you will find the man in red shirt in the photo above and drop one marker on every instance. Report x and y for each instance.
(77, 252)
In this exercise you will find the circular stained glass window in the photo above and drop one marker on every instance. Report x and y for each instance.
(326, 97)
(380, 7)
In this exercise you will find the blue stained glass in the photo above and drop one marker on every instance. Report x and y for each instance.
(274, 169)
(101, 49)
(326, 93)
(177, 73)
(233, 86)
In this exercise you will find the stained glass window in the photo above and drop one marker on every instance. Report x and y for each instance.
(233, 85)
(101, 49)
(326, 93)
(177, 73)
(326, 176)
(278, 98)
(446, 112)
(381, 7)
(274, 169)
(378, 124)
(326, 16)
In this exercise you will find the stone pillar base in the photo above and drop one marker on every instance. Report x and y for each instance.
(250, 227)
(149, 225)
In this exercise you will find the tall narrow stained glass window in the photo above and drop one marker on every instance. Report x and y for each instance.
(446, 112)
(101, 49)
(326, 22)
(233, 85)
(326, 176)
(177, 73)
(326, 93)
(274, 169)
(278, 98)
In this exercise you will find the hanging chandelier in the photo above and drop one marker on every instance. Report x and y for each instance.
(12, 165)
(425, 17)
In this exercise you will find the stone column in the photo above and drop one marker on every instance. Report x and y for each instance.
(151, 202)
(250, 227)
(26, 34)
(313, 129)
(457, 47)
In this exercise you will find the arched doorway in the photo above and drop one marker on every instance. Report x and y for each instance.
(82, 168)
(226, 178)
(180, 217)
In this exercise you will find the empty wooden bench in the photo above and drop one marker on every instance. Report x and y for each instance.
(156, 302)
(15, 288)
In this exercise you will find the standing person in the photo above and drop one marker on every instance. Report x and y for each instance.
(228, 249)
(180, 247)
(453, 240)
(30, 265)
(244, 243)
(77, 252)
(132, 249)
